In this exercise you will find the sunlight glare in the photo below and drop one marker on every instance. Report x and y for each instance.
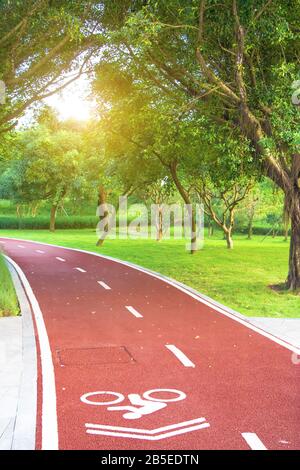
(73, 102)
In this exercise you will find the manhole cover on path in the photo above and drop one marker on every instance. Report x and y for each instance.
(94, 356)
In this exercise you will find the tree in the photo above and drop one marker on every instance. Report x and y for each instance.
(230, 197)
(160, 193)
(251, 205)
(45, 45)
(141, 134)
(142, 127)
(46, 167)
(236, 61)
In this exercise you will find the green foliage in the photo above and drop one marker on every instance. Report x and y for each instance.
(46, 166)
(8, 299)
(43, 47)
(42, 222)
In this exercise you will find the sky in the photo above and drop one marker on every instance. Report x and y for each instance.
(74, 101)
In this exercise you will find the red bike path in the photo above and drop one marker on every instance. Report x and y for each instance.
(104, 326)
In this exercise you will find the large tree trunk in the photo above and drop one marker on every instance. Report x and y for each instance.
(293, 279)
(53, 217)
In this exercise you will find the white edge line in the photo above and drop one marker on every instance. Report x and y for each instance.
(105, 286)
(253, 441)
(147, 437)
(133, 311)
(210, 303)
(49, 412)
(180, 355)
(146, 431)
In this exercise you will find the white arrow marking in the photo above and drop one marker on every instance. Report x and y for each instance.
(253, 441)
(152, 435)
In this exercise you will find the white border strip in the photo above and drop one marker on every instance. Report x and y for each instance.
(210, 303)
(49, 412)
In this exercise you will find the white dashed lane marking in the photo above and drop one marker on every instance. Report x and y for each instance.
(80, 270)
(105, 286)
(253, 441)
(40, 251)
(180, 355)
(134, 311)
(60, 259)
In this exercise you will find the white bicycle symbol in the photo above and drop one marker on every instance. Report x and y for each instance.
(142, 405)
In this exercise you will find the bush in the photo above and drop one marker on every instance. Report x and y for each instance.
(42, 222)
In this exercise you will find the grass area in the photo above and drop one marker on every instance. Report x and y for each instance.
(8, 299)
(237, 278)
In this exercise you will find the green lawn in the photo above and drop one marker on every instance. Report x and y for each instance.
(237, 278)
(8, 300)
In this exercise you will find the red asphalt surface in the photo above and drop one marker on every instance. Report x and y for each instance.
(242, 382)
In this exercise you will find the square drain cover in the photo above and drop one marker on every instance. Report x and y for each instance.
(94, 356)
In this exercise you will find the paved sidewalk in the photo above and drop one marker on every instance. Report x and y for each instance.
(18, 377)
(10, 377)
(287, 329)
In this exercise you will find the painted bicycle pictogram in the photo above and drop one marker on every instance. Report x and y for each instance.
(140, 405)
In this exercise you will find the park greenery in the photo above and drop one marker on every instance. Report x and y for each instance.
(193, 104)
(9, 304)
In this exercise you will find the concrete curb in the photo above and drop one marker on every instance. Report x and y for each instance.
(24, 431)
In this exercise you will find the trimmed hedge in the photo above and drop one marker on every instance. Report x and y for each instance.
(42, 222)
